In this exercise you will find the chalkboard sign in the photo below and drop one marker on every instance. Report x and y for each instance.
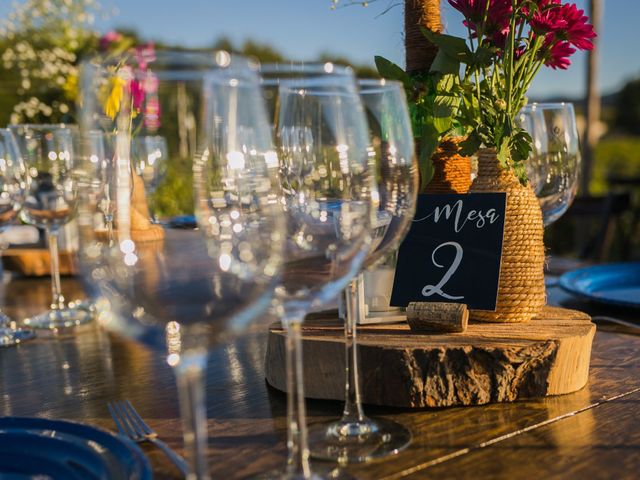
(452, 252)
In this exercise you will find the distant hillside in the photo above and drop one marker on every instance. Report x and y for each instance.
(608, 100)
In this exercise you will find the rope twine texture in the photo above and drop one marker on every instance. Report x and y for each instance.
(419, 51)
(521, 291)
(451, 171)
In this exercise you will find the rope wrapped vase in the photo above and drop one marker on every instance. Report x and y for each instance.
(451, 171)
(521, 291)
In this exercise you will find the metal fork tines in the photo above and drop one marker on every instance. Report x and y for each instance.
(131, 425)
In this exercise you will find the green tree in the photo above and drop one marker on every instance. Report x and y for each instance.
(41, 42)
(627, 117)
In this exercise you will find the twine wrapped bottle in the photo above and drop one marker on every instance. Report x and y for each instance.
(521, 291)
(451, 171)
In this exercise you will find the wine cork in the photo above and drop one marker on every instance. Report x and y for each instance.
(437, 317)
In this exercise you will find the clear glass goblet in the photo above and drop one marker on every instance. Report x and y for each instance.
(50, 155)
(553, 166)
(13, 185)
(182, 291)
(328, 194)
(355, 437)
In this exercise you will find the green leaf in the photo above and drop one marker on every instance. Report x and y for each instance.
(444, 63)
(520, 172)
(471, 145)
(455, 47)
(482, 57)
(521, 146)
(388, 69)
(444, 110)
(428, 143)
(504, 153)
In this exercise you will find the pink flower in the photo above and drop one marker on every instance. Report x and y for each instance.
(145, 54)
(137, 94)
(556, 53)
(578, 31)
(152, 113)
(108, 38)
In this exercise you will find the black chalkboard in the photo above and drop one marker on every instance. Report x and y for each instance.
(452, 252)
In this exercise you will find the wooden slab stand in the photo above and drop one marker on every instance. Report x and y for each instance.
(488, 363)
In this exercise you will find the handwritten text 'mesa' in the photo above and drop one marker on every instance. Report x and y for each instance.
(478, 218)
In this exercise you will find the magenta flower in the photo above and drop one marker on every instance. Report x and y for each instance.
(548, 17)
(578, 31)
(556, 53)
(137, 94)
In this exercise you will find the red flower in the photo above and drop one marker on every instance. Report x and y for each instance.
(556, 53)
(578, 31)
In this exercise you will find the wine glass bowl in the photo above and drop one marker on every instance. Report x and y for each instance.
(182, 291)
(13, 185)
(50, 154)
(355, 437)
(48, 151)
(553, 166)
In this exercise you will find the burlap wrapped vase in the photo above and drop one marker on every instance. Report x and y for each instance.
(521, 291)
(451, 171)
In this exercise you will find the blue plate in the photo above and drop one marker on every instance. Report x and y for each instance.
(42, 448)
(613, 284)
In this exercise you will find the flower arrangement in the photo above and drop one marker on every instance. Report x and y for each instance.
(477, 85)
(134, 77)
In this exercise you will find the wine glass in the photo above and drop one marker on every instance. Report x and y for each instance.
(50, 153)
(13, 184)
(182, 291)
(328, 194)
(554, 163)
(149, 154)
(356, 437)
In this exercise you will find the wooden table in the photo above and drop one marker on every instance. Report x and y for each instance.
(594, 433)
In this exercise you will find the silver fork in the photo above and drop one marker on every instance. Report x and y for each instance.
(131, 425)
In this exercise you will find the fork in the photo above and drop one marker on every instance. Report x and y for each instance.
(130, 424)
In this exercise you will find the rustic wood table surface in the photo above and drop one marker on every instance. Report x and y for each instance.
(594, 433)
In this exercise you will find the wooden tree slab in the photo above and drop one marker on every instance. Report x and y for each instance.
(488, 363)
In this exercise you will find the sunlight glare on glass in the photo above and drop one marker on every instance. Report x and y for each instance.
(127, 246)
(225, 262)
(236, 160)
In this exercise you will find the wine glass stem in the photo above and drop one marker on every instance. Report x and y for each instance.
(352, 412)
(297, 441)
(189, 375)
(57, 300)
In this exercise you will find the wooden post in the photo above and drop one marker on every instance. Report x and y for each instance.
(592, 103)
(419, 52)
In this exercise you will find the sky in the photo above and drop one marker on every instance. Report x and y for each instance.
(303, 29)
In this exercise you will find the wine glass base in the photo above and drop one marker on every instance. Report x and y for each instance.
(319, 474)
(63, 318)
(357, 442)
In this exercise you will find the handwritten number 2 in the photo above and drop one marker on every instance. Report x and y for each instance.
(429, 290)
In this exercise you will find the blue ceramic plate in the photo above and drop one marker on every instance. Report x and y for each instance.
(42, 448)
(613, 284)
